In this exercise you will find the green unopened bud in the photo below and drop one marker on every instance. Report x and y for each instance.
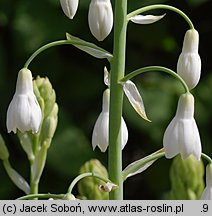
(89, 186)
(46, 95)
(4, 154)
(187, 180)
(46, 92)
(49, 126)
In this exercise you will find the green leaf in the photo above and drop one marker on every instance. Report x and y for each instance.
(141, 165)
(17, 179)
(89, 48)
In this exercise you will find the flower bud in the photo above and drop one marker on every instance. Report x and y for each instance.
(189, 62)
(100, 18)
(187, 178)
(69, 7)
(89, 186)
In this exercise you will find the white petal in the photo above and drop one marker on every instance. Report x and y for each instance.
(191, 41)
(11, 124)
(207, 193)
(186, 138)
(69, 7)
(36, 114)
(107, 187)
(23, 113)
(24, 81)
(106, 77)
(100, 18)
(134, 98)
(170, 139)
(189, 68)
(209, 175)
(124, 133)
(146, 19)
(100, 132)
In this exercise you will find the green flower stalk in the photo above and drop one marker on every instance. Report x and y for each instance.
(4, 154)
(89, 186)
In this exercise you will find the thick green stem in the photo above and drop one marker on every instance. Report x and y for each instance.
(33, 188)
(116, 98)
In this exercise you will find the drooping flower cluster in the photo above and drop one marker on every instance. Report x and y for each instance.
(100, 16)
(182, 135)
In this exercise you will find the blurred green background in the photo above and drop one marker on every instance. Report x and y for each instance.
(78, 81)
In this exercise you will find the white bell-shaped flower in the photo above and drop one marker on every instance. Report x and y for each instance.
(182, 135)
(189, 62)
(24, 112)
(100, 18)
(207, 193)
(100, 135)
(69, 7)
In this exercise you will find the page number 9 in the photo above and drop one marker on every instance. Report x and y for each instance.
(205, 208)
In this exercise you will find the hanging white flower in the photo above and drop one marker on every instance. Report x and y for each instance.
(24, 112)
(100, 18)
(189, 62)
(101, 128)
(69, 7)
(182, 135)
(207, 193)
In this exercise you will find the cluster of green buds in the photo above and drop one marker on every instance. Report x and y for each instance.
(187, 179)
(89, 187)
(100, 16)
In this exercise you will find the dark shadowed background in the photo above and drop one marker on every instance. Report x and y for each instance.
(78, 80)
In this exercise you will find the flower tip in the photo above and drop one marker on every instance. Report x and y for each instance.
(100, 18)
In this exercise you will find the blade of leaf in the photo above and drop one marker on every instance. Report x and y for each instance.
(141, 165)
(89, 48)
(134, 98)
(16, 178)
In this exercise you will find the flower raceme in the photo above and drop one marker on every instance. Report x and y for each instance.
(207, 193)
(189, 62)
(24, 112)
(100, 18)
(101, 128)
(182, 135)
(69, 7)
